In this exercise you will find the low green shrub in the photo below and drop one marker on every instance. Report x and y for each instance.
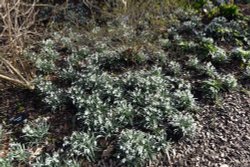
(212, 87)
(219, 56)
(230, 11)
(81, 145)
(184, 123)
(174, 68)
(193, 63)
(229, 82)
(199, 4)
(47, 160)
(207, 69)
(241, 54)
(17, 154)
(210, 70)
(231, 31)
(36, 131)
(247, 72)
(136, 147)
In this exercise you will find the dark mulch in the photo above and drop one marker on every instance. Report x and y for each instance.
(223, 139)
(245, 8)
(18, 103)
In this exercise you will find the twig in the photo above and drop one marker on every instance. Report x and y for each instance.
(13, 68)
(38, 5)
(22, 82)
(16, 81)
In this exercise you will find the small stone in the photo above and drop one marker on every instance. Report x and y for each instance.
(224, 165)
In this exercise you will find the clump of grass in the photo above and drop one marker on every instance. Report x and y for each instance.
(230, 11)
(241, 54)
(35, 132)
(212, 87)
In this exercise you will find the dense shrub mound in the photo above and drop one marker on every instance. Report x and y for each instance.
(140, 109)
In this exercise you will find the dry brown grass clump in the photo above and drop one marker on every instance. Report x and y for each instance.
(17, 19)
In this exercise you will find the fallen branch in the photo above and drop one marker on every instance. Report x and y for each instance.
(16, 81)
(21, 81)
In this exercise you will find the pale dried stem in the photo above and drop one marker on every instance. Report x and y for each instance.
(16, 81)
(17, 20)
(21, 81)
(13, 69)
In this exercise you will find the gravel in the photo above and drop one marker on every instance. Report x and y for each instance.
(223, 139)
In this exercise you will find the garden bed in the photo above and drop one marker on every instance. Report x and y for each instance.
(120, 93)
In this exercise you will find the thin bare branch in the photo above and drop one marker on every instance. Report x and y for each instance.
(16, 81)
